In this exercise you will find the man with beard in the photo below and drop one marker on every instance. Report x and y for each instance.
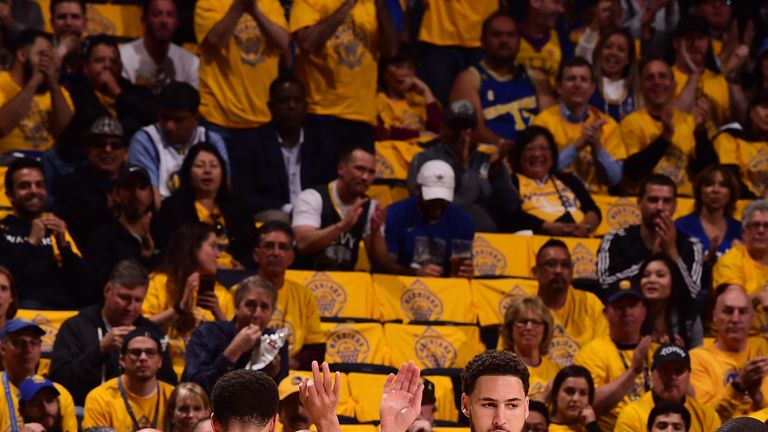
(21, 348)
(622, 251)
(494, 389)
(662, 139)
(670, 382)
(82, 196)
(578, 314)
(39, 403)
(34, 108)
(288, 154)
(484, 189)
(331, 219)
(68, 22)
(504, 97)
(729, 373)
(154, 61)
(619, 363)
(127, 235)
(421, 231)
(37, 247)
(135, 399)
(86, 351)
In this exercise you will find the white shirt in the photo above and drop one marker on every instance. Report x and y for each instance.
(292, 160)
(139, 68)
(309, 208)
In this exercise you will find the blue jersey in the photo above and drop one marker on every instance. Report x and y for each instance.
(509, 104)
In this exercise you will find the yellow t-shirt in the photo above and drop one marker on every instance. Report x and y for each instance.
(341, 79)
(157, 301)
(66, 408)
(541, 376)
(234, 82)
(33, 132)
(547, 59)
(578, 322)
(298, 312)
(712, 370)
(737, 267)
(104, 406)
(216, 218)
(455, 23)
(712, 85)
(750, 156)
(567, 133)
(639, 129)
(556, 427)
(548, 200)
(408, 113)
(606, 363)
(634, 417)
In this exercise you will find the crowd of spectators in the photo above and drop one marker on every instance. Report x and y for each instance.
(163, 187)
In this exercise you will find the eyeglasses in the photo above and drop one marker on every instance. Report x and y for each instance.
(755, 226)
(523, 323)
(270, 245)
(137, 352)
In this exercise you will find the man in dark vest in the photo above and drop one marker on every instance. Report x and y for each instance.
(330, 220)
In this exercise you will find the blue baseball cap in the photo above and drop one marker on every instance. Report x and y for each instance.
(31, 386)
(18, 324)
(623, 289)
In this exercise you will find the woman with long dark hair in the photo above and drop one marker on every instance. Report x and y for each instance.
(573, 392)
(204, 196)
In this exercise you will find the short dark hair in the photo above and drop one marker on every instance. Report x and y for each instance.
(539, 407)
(656, 180)
(572, 371)
(282, 80)
(27, 38)
(102, 39)
(526, 137)
(551, 243)
(493, 363)
(572, 63)
(54, 3)
(346, 153)
(129, 273)
(178, 95)
(19, 164)
(147, 3)
(272, 226)
(667, 407)
(244, 396)
(143, 332)
(492, 17)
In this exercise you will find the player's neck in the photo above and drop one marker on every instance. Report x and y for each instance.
(158, 50)
(139, 387)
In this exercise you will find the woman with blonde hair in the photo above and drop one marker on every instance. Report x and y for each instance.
(527, 331)
(187, 405)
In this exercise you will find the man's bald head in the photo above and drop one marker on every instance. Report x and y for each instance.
(732, 316)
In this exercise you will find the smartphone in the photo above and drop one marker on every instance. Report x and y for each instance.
(207, 283)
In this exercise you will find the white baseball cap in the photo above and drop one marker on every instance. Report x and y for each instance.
(437, 180)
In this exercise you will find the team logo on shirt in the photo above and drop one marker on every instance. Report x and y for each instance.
(350, 43)
(347, 345)
(331, 296)
(384, 168)
(250, 41)
(97, 23)
(563, 347)
(584, 262)
(419, 303)
(622, 213)
(514, 294)
(486, 259)
(673, 165)
(435, 351)
(279, 321)
(34, 126)
(757, 172)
